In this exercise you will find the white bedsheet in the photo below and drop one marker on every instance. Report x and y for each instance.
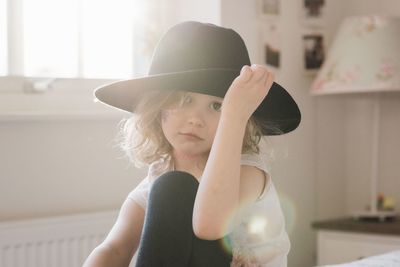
(391, 259)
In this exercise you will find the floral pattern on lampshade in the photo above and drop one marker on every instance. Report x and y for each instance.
(371, 23)
(386, 70)
(363, 58)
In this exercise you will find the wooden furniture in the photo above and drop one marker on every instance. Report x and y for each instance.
(345, 239)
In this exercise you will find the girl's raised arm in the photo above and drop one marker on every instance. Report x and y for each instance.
(219, 193)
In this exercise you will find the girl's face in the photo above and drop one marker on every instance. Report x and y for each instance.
(190, 124)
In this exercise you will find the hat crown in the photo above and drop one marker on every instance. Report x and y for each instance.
(193, 45)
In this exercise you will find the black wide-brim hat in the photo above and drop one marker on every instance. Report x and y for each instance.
(202, 58)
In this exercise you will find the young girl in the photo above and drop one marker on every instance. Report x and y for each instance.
(208, 199)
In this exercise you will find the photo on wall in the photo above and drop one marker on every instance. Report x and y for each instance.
(314, 51)
(270, 7)
(313, 8)
(272, 55)
(312, 13)
(272, 46)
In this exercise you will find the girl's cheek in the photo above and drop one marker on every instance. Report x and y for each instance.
(166, 113)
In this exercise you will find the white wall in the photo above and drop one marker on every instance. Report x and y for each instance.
(61, 166)
(207, 11)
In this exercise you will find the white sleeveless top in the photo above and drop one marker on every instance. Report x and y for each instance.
(258, 236)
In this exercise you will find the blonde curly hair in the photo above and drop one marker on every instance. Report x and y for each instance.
(141, 137)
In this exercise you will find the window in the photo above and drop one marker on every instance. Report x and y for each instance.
(50, 38)
(3, 37)
(78, 38)
(63, 49)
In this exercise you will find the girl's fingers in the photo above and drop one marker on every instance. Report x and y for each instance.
(258, 73)
(269, 81)
(245, 74)
(266, 80)
(255, 74)
(244, 68)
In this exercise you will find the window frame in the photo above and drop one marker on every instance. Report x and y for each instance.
(66, 97)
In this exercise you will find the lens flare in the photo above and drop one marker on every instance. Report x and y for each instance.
(289, 211)
(226, 244)
(231, 224)
(258, 225)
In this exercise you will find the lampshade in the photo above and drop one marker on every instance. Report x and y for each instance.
(364, 57)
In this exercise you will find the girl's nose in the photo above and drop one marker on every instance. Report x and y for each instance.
(195, 118)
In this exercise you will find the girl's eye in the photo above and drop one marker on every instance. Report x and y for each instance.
(216, 106)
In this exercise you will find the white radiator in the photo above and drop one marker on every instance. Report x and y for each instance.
(53, 242)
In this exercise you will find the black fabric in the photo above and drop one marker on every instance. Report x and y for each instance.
(194, 46)
(167, 238)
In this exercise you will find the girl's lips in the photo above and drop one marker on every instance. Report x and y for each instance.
(191, 135)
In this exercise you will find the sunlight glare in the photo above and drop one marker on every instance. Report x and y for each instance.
(3, 37)
(258, 225)
(87, 38)
(50, 37)
(108, 38)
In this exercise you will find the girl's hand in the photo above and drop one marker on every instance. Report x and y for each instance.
(247, 91)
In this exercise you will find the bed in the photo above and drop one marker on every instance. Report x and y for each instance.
(391, 259)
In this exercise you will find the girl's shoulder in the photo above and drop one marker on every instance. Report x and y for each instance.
(257, 160)
(140, 193)
(251, 157)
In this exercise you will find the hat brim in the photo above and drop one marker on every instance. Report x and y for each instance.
(278, 111)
